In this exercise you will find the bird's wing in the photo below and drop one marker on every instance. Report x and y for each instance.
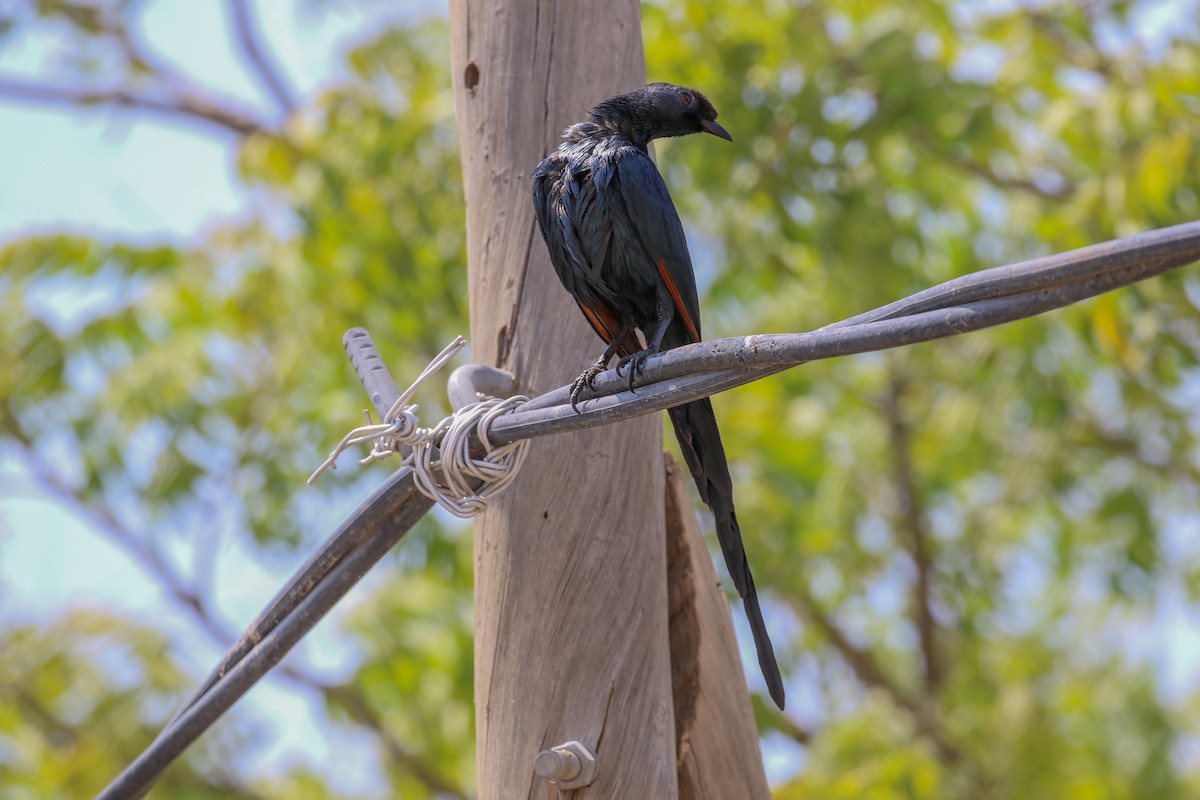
(576, 240)
(657, 223)
(554, 220)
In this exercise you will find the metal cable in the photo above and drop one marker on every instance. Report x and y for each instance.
(972, 302)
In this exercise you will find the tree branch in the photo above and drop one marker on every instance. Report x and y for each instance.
(157, 89)
(181, 104)
(788, 726)
(266, 72)
(57, 732)
(982, 170)
(871, 674)
(1173, 468)
(1084, 56)
(365, 715)
(914, 523)
(923, 137)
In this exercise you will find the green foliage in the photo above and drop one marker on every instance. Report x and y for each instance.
(80, 697)
(879, 150)
(218, 360)
(417, 671)
(165, 387)
(1041, 476)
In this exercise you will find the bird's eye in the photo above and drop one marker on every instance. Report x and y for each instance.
(686, 98)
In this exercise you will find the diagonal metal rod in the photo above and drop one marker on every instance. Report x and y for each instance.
(298, 604)
(972, 302)
(383, 519)
(362, 539)
(377, 381)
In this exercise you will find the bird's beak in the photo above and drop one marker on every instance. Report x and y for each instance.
(711, 126)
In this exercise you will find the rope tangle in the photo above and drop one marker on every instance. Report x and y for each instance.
(443, 468)
(496, 469)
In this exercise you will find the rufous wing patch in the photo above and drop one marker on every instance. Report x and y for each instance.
(673, 290)
(602, 319)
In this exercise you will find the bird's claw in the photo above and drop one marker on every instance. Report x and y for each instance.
(636, 363)
(586, 379)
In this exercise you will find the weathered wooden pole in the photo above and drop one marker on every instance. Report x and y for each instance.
(570, 588)
(717, 741)
(573, 639)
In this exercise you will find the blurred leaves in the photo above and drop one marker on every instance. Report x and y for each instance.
(878, 149)
(217, 361)
(81, 696)
(417, 668)
(173, 389)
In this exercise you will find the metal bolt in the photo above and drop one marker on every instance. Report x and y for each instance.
(570, 765)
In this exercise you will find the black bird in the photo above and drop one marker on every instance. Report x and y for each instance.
(618, 247)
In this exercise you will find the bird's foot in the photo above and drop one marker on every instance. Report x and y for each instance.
(586, 379)
(636, 363)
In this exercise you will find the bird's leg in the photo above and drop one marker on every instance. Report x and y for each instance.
(587, 378)
(664, 311)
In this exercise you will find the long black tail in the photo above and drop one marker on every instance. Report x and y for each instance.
(696, 428)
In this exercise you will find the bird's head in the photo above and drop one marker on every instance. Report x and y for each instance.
(656, 111)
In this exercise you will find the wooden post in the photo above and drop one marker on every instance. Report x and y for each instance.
(573, 640)
(716, 739)
(570, 589)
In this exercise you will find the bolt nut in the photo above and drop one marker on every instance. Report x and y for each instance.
(570, 765)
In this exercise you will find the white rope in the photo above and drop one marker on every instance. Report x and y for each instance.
(456, 466)
(441, 456)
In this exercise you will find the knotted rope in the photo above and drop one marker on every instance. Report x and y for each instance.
(441, 460)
